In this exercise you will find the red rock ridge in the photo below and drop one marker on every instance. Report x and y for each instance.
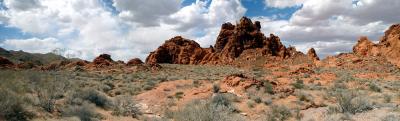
(234, 41)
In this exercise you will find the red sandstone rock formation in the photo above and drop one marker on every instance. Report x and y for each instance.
(388, 46)
(312, 54)
(177, 51)
(103, 60)
(234, 41)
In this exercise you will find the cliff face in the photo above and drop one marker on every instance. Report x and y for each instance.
(388, 46)
(233, 41)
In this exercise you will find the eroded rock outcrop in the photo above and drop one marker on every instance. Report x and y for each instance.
(312, 54)
(103, 60)
(234, 41)
(388, 46)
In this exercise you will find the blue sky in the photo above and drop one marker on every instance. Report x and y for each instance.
(133, 28)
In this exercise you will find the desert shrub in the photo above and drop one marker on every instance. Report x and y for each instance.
(268, 102)
(344, 76)
(221, 101)
(219, 108)
(278, 113)
(92, 96)
(196, 83)
(216, 88)
(299, 84)
(268, 88)
(12, 107)
(304, 96)
(374, 87)
(48, 91)
(257, 99)
(391, 118)
(250, 104)
(387, 98)
(84, 112)
(178, 95)
(149, 85)
(125, 106)
(351, 102)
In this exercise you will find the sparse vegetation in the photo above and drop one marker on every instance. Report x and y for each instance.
(178, 95)
(216, 109)
(84, 112)
(374, 87)
(216, 88)
(268, 87)
(12, 107)
(299, 84)
(125, 106)
(92, 96)
(351, 102)
(278, 113)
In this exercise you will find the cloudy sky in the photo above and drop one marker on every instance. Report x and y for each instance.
(132, 28)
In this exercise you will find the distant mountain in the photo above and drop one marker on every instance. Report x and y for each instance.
(35, 58)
